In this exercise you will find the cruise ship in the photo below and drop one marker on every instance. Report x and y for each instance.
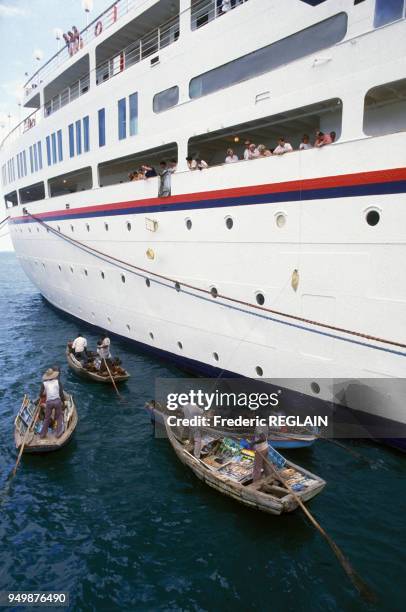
(287, 268)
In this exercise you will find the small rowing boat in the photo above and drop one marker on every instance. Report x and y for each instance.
(28, 424)
(115, 371)
(277, 439)
(227, 467)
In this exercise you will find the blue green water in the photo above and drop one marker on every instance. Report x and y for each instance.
(117, 522)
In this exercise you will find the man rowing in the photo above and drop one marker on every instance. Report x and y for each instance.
(52, 388)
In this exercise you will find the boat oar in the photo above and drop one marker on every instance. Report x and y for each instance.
(356, 580)
(29, 430)
(112, 380)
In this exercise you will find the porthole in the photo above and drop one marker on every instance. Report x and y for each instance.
(260, 298)
(280, 220)
(93, 315)
(102, 274)
(108, 319)
(315, 387)
(72, 229)
(147, 282)
(215, 356)
(60, 269)
(106, 227)
(180, 345)
(29, 229)
(151, 335)
(129, 226)
(37, 230)
(128, 327)
(122, 278)
(259, 371)
(85, 271)
(71, 269)
(177, 286)
(188, 223)
(373, 217)
(87, 227)
(229, 222)
(59, 228)
(214, 292)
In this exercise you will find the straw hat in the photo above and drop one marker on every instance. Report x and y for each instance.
(50, 374)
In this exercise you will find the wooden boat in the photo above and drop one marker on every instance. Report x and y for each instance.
(26, 421)
(102, 377)
(233, 477)
(277, 439)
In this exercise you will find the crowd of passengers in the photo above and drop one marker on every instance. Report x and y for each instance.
(251, 151)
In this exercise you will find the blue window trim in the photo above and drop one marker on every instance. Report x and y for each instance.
(78, 130)
(31, 160)
(39, 147)
(25, 163)
(133, 112)
(34, 148)
(102, 127)
(53, 147)
(49, 159)
(60, 150)
(122, 118)
(71, 140)
(86, 136)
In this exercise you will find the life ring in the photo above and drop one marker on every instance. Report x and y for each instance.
(98, 28)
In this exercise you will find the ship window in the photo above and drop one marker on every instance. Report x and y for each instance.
(53, 147)
(34, 149)
(133, 112)
(259, 371)
(78, 130)
(385, 109)
(122, 278)
(49, 159)
(122, 127)
(32, 193)
(372, 217)
(129, 226)
(117, 170)
(180, 345)
(39, 148)
(319, 36)
(71, 141)
(102, 275)
(151, 335)
(292, 124)
(215, 356)
(60, 152)
(229, 222)
(387, 11)
(11, 199)
(86, 141)
(72, 182)
(31, 160)
(166, 99)
(102, 127)
(260, 298)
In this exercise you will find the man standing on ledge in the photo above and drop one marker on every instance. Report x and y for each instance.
(52, 388)
(261, 460)
(195, 435)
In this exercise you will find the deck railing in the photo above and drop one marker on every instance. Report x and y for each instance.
(151, 43)
(204, 11)
(104, 21)
(70, 93)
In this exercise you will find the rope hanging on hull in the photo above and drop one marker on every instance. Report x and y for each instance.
(178, 286)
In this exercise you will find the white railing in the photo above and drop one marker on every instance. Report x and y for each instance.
(22, 127)
(151, 43)
(104, 21)
(204, 11)
(78, 88)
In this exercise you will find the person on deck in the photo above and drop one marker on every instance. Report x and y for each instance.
(322, 139)
(305, 144)
(261, 453)
(231, 157)
(79, 347)
(52, 388)
(333, 136)
(164, 180)
(283, 147)
(191, 163)
(149, 171)
(251, 152)
(195, 435)
(201, 164)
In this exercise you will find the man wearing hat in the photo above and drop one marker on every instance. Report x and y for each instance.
(52, 389)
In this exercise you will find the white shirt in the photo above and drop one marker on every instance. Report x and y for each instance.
(104, 349)
(305, 145)
(51, 389)
(251, 154)
(79, 344)
(226, 6)
(231, 159)
(286, 148)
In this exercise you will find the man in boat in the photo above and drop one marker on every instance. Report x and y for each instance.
(195, 435)
(52, 388)
(260, 445)
(79, 347)
(103, 350)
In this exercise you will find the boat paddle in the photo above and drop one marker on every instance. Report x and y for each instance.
(356, 580)
(112, 380)
(25, 440)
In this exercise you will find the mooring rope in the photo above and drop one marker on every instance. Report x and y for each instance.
(4, 220)
(178, 286)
